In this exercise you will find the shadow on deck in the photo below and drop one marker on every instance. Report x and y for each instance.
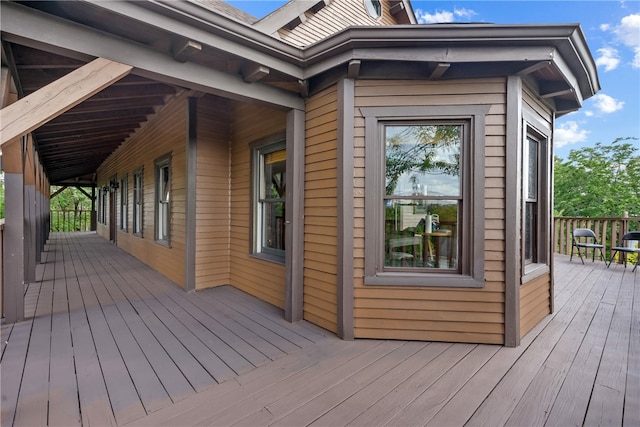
(113, 342)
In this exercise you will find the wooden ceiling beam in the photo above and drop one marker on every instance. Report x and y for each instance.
(32, 111)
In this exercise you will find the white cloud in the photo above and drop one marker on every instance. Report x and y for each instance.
(609, 58)
(444, 16)
(569, 133)
(627, 32)
(606, 104)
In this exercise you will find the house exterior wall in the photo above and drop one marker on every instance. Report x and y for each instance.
(258, 277)
(423, 313)
(213, 213)
(321, 210)
(164, 133)
(331, 19)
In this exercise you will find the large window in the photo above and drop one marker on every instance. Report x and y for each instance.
(423, 195)
(124, 203)
(269, 178)
(163, 199)
(424, 204)
(137, 202)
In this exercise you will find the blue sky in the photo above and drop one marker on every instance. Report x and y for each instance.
(612, 29)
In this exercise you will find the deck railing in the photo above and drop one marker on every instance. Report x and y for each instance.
(70, 220)
(608, 230)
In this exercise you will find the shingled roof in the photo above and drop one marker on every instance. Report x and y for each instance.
(226, 9)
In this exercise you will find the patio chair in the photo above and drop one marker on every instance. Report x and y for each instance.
(626, 248)
(582, 239)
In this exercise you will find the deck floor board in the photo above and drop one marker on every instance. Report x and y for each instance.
(109, 341)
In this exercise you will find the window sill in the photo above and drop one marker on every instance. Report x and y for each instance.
(533, 271)
(164, 243)
(268, 257)
(428, 280)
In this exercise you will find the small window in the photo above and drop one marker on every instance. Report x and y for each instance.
(137, 202)
(269, 177)
(163, 199)
(374, 8)
(124, 203)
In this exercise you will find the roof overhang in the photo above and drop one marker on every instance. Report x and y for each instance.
(185, 46)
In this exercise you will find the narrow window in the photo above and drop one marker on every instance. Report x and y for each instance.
(137, 202)
(531, 212)
(124, 203)
(269, 177)
(163, 198)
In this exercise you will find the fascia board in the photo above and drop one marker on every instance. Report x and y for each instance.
(32, 28)
(194, 22)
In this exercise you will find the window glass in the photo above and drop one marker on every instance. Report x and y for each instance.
(163, 210)
(374, 8)
(123, 203)
(137, 202)
(272, 201)
(423, 196)
(530, 175)
(269, 174)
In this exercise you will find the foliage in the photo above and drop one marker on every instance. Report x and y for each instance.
(599, 181)
(70, 210)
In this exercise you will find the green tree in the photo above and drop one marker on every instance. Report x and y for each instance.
(70, 209)
(599, 181)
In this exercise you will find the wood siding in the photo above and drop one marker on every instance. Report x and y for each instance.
(335, 17)
(535, 296)
(436, 314)
(263, 279)
(213, 213)
(321, 210)
(164, 133)
(535, 303)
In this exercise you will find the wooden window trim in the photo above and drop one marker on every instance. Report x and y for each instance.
(124, 203)
(160, 163)
(138, 207)
(471, 252)
(258, 149)
(534, 128)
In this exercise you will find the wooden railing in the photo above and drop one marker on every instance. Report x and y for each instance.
(608, 230)
(70, 220)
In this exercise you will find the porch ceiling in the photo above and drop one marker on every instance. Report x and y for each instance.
(73, 145)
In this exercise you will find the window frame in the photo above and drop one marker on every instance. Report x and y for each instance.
(534, 129)
(160, 164)
(258, 150)
(138, 203)
(471, 255)
(124, 203)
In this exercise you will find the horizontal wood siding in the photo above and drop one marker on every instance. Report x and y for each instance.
(321, 210)
(535, 296)
(213, 216)
(263, 279)
(436, 314)
(535, 303)
(335, 17)
(164, 133)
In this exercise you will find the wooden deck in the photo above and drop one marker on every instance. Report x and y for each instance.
(112, 342)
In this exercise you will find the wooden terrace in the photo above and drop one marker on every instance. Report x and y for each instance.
(111, 342)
